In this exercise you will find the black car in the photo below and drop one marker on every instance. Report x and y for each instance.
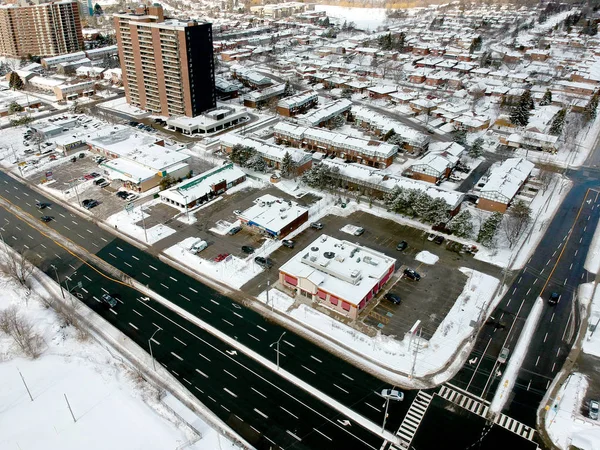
(99, 181)
(247, 249)
(46, 219)
(392, 298)
(554, 298)
(263, 262)
(288, 243)
(40, 205)
(109, 300)
(439, 240)
(402, 245)
(234, 230)
(410, 273)
(316, 225)
(90, 204)
(122, 194)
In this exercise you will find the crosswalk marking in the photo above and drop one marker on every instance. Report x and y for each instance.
(413, 418)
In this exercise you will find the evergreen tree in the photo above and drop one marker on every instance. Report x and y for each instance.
(14, 107)
(288, 166)
(15, 82)
(337, 122)
(459, 136)
(388, 135)
(589, 112)
(320, 176)
(241, 154)
(547, 98)
(520, 113)
(401, 41)
(488, 230)
(476, 149)
(288, 90)
(475, 45)
(98, 9)
(558, 122)
(461, 225)
(256, 162)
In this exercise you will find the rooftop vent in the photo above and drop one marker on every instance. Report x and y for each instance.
(329, 255)
(355, 273)
(314, 249)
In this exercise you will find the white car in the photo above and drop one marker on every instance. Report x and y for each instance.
(593, 409)
(393, 394)
(131, 197)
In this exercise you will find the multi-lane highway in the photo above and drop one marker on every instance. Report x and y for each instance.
(256, 402)
(556, 266)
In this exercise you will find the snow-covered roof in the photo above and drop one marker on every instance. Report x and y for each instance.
(326, 112)
(298, 99)
(349, 274)
(272, 213)
(272, 152)
(127, 170)
(432, 161)
(506, 179)
(197, 187)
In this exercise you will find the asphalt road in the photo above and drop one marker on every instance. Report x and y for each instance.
(556, 266)
(331, 375)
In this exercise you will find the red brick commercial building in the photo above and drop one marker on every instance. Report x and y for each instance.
(168, 65)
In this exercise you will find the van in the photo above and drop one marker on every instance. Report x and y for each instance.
(198, 246)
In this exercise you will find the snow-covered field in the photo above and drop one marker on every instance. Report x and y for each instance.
(113, 407)
(565, 424)
(399, 354)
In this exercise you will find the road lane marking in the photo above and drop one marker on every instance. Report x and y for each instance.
(74, 268)
(316, 359)
(67, 227)
(293, 435)
(103, 239)
(289, 343)
(203, 374)
(181, 295)
(261, 413)
(139, 314)
(119, 248)
(289, 412)
(179, 340)
(258, 392)
(258, 326)
(323, 434)
(85, 290)
(112, 255)
(558, 351)
(226, 321)
(193, 290)
(26, 194)
(350, 378)
(95, 245)
(341, 388)
(113, 311)
(89, 231)
(80, 236)
(519, 282)
(230, 374)
(28, 204)
(152, 267)
(62, 215)
(104, 290)
(148, 276)
(508, 303)
(552, 318)
(376, 409)
(74, 222)
(127, 264)
(537, 361)
(155, 341)
(224, 408)
(230, 393)
(535, 281)
(200, 354)
(96, 298)
(30, 236)
(311, 371)
(174, 279)
(43, 245)
(239, 315)
(553, 365)
(214, 301)
(133, 326)
(164, 285)
(545, 337)
(205, 309)
(254, 337)
(198, 389)
(135, 257)
(528, 291)
(177, 356)
(188, 382)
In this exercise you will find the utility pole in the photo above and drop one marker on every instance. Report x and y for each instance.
(26, 387)
(150, 345)
(268, 284)
(58, 280)
(412, 369)
(187, 211)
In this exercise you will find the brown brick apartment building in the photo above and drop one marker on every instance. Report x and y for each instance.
(167, 64)
(44, 29)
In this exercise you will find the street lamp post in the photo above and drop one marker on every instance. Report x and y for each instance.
(58, 280)
(144, 223)
(150, 345)
(187, 211)
(277, 349)
(387, 403)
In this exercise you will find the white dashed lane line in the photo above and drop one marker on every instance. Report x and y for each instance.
(181, 295)
(289, 412)
(259, 393)
(135, 257)
(177, 356)
(174, 279)
(201, 373)
(193, 290)
(152, 267)
(179, 340)
(200, 354)
(311, 371)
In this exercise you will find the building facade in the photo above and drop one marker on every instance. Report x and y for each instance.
(167, 65)
(44, 29)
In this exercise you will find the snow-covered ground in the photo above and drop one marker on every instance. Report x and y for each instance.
(113, 407)
(565, 424)
(398, 354)
(591, 341)
(125, 222)
(426, 257)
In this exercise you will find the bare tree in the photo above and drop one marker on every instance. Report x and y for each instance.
(38, 138)
(547, 170)
(21, 331)
(17, 266)
(515, 221)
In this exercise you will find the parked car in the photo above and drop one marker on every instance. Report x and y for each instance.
(410, 273)
(220, 257)
(81, 155)
(439, 240)
(131, 196)
(73, 159)
(392, 394)
(198, 246)
(316, 225)
(99, 181)
(554, 298)
(234, 230)
(593, 409)
(288, 243)
(90, 204)
(104, 184)
(392, 298)
(402, 245)
(109, 300)
(265, 263)
(359, 231)
(247, 249)
(236, 212)
(122, 194)
(46, 219)
(431, 237)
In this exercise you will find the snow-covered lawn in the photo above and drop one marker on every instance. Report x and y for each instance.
(398, 353)
(233, 271)
(565, 424)
(113, 407)
(125, 222)
(426, 257)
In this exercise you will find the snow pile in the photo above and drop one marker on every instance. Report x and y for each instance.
(565, 424)
(222, 227)
(233, 271)
(426, 257)
(591, 343)
(127, 222)
(350, 229)
(592, 261)
(277, 300)
(399, 354)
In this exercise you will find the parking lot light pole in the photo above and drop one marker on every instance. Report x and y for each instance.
(187, 211)
(144, 223)
(150, 345)
(277, 349)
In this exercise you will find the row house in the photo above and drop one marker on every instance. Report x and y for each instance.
(322, 116)
(367, 152)
(297, 104)
(260, 98)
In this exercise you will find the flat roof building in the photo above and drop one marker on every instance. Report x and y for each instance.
(338, 274)
(167, 64)
(274, 216)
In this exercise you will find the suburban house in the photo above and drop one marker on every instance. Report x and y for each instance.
(503, 184)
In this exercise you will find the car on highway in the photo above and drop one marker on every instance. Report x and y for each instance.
(395, 299)
(90, 203)
(317, 225)
(412, 274)
(288, 243)
(402, 245)
(392, 394)
(234, 230)
(359, 231)
(248, 249)
(265, 263)
(554, 298)
(503, 355)
(41, 205)
(109, 300)
(47, 219)
(594, 409)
